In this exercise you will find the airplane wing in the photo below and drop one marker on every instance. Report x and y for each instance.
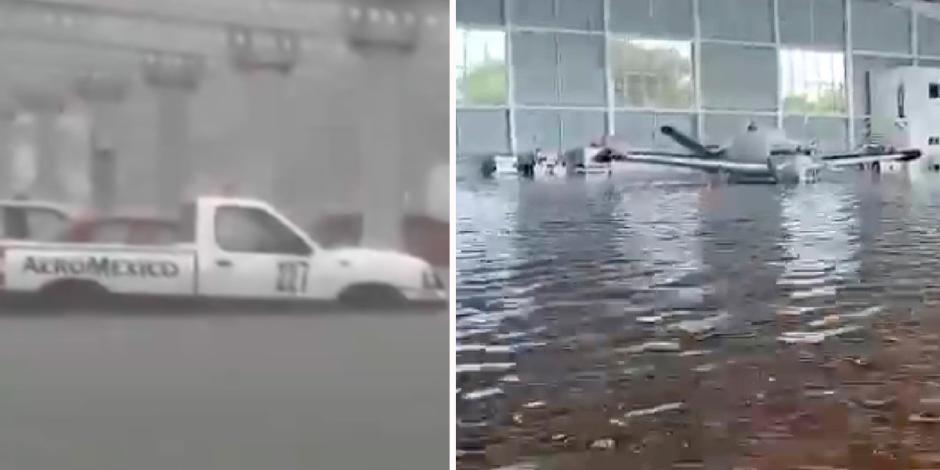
(710, 165)
(690, 143)
(651, 152)
(847, 159)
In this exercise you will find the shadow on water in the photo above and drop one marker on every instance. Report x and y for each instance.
(570, 293)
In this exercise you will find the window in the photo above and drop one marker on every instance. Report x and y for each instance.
(249, 230)
(134, 232)
(109, 232)
(32, 223)
(652, 73)
(45, 225)
(812, 82)
(934, 91)
(480, 67)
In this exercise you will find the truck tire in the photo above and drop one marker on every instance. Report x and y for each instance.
(71, 292)
(372, 296)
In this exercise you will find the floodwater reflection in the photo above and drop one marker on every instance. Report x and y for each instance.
(570, 292)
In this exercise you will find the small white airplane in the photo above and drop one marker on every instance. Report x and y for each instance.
(761, 157)
(756, 156)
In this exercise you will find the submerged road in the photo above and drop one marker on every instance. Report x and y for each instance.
(87, 391)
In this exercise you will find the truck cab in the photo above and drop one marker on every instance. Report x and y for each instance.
(248, 249)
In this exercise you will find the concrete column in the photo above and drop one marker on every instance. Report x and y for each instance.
(384, 40)
(265, 60)
(7, 116)
(173, 79)
(46, 107)
(104, 95)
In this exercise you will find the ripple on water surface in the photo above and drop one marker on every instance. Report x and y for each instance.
(569, 293)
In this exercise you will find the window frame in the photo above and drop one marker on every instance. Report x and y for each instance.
(839, 81)
(620, 96)
(461, 68)
(303, 248)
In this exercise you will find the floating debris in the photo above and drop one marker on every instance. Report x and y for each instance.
(520, 466)
(826, 321)
(858, 361)
(699, 327)
(878, 403)
(924, 418)
(485, 348)
(655, 346)
(485, 367)
(793, 311)
(655, 410)
(868, 312)
(801, 337)
(801, 281)
(827, 291)
(534, 405)
(819, 393)
(815, 337)
(832, 320)
(603, 444)
(930, 401)
(639, 370)
(705, 367)
(650, 319)
(694, 353)
(484, 393)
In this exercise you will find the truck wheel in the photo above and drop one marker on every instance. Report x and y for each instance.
(72, 292)
(372, 296)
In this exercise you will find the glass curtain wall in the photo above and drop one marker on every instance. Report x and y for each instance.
(555, 74)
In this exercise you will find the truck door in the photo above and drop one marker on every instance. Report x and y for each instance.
(254, 255)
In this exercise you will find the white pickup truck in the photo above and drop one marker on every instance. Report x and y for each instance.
(227, 249)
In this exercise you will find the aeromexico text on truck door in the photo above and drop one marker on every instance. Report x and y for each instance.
(100, 266)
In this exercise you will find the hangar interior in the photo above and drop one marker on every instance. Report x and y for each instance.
(556, 74)
(319, 106)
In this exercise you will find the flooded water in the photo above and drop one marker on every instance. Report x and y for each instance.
(254, 390)
(595, 317)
